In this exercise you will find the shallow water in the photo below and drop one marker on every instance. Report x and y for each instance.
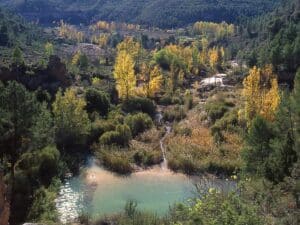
(99, 192)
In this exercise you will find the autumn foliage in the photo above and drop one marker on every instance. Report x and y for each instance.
(261, 93)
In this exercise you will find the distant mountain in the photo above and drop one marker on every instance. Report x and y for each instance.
(161, 13)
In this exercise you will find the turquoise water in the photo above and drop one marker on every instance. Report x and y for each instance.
(99, 192)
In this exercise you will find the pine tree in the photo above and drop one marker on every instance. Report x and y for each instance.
(257, 149)
(17, 56)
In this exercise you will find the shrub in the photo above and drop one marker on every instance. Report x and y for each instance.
(109, 138)
(171, 99)
(147, 158)
(228, 122)
(188, 100)
(124, 134)
(139, 104)
(116, 115)
(165, 100)
(222, 207)
(42, 166)
(216, 110)
(43, 207)
(183, 131)
(138, 123)
(99, 127)
(121, 136)
(97, 101)
(174, 114)
(115, 160)
(182, 164)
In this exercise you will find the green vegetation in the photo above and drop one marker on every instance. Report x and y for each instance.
(171, 13)
(63, 99)
(272, 39)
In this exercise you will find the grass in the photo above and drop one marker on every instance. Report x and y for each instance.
(193, 147)
(144, 151)
(114, 159)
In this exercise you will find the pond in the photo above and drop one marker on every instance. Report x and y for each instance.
(99, 192)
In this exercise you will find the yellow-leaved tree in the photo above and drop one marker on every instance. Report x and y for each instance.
(76, 58)
(261, 93)
(131, 47)
(152, 80)
(49, 49)
(124, 75)
(155, 81)
(213, 55)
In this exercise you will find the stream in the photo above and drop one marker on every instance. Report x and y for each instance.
(164, 164)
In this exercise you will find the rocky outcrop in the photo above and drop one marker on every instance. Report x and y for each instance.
(4, 205)
(52, 77)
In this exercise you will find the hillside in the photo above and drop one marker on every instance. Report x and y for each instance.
(273, 38)
(170, 13)
(143, 112)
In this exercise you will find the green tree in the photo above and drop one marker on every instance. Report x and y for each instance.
(97, 101)
(17, 56)
(258, 148)
(138, 123)
(283, 155)
(72, 124)
(18, 110)
(49, 50)
(42, 131)
(43, 207)
(296, 111)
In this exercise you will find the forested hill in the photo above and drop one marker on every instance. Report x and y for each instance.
(160, 13)
(273, 38)
(14, 30)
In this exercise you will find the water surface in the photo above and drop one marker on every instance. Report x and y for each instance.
(100, 192)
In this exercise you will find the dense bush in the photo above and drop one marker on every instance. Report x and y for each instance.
(138, 123)
(176, 113)
(216, 110)
(97, 101)
(43, 208)
(217, 207)
(99, 127)
(121, 136)
(191, 159)
(185, 165)
(42, 165)
(125, 134)
(172, 99)
(115, 160)
(139, 104)
(188, 100)
(183, 131)
(147, 158)
(109, 138)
